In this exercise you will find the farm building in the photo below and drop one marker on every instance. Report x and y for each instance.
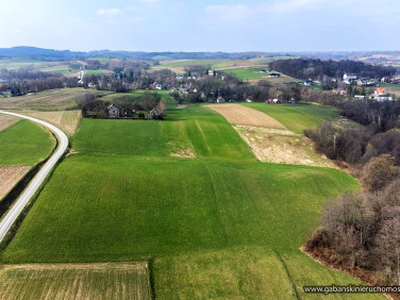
(274, 75)
(359, 97)
(113, 111)
(308, 82)
(349, 76)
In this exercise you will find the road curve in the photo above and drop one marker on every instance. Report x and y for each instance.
(35, 183)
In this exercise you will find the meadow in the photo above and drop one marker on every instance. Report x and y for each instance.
(25, 143)
(247, 73)
(220, 224)
(16, 63)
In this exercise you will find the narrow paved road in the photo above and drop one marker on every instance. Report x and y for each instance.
(33, 186)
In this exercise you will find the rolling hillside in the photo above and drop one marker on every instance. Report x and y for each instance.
(218, 224)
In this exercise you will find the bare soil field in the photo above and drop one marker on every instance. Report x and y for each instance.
(7, 121)
(241, 115)
(269, 140)
(9, 177)
(280, 80)
(281, 146)
(57, 99)
(67, 121)
(74, 281)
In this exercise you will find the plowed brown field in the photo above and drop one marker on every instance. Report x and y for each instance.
(242, 115)
(7, 121)
(75, 281)
(67, 121)
(9, 177)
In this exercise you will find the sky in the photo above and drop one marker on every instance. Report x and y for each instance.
(208, 25)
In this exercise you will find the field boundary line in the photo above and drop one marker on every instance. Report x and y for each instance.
(285, 268)
(19, 205)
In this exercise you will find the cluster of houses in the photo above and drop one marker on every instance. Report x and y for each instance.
(249, 100)
(350, 78)
(380, 94)
(114, 112)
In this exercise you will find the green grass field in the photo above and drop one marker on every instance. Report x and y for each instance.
(25, 143)
(220, 225)
(16, 63)
(247, 73)
(297, 117)
(246, 273)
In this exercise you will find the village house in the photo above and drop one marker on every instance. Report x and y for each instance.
(349, 76)
(383, 98)
(276, 101)
(359, 97)
(220, 100)
(366, 82)
(380, 92)
(308, 82)
(339, 91)
(113, 111)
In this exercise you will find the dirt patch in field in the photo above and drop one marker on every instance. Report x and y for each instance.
(185, 153)
(281, 146)
(279, 80)
(242, 115)
(9, 177)
(142, 266)
(7, 121)
(67, 121)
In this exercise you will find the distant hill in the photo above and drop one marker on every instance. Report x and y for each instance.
(51, 54)
(36, 53)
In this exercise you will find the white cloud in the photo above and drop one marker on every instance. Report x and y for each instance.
(108, 12)
(275, 8)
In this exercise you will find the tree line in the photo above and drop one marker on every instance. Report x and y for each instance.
(27, 80)
(379, 135)
(361, 231)
(149, 105)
